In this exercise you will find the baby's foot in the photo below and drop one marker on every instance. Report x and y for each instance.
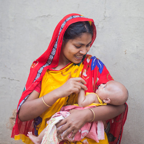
(35, 139)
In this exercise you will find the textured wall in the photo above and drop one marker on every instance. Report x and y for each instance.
(26, 28)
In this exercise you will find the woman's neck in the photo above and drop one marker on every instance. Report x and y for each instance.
(61, 65)
(62, 62)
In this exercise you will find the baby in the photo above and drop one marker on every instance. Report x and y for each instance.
(112, 92)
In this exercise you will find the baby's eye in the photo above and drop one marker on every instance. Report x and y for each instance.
(104, 86)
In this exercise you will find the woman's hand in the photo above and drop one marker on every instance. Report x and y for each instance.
(73, 85)
(73, 122)
(78, 118)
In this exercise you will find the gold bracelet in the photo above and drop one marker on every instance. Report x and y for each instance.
(93, 114)
(45, 102)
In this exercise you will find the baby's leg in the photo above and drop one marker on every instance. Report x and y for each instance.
(36, 139)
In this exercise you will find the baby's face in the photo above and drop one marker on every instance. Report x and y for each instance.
(103, 91)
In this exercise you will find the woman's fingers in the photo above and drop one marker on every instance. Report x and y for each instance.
(65, 130)
(62, 122)
(73, 85)
(79, 79)
(64, 127)
(73, 133)
(76, 90)
(83, 87)
(69, 131)
(80, 86)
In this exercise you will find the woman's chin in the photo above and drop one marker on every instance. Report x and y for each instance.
(77, 62)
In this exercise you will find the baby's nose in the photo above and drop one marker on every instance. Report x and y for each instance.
(101, 85)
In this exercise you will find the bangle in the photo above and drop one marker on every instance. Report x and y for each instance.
(45, 102)
(93, 114)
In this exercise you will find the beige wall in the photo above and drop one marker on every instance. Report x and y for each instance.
(25, 31)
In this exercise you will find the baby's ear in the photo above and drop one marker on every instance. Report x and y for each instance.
(107, 100)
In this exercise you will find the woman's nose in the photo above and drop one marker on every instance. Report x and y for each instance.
(83, 51)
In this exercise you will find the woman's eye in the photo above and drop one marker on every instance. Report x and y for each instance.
(77, 46)
(88, 45)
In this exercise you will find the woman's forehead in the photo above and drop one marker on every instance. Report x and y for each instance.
(83, 38)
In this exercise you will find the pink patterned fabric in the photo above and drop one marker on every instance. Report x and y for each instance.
(94, 130)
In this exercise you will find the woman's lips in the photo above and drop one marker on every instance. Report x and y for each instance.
(79, 57)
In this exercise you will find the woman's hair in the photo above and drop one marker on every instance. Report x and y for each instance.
(76, 29)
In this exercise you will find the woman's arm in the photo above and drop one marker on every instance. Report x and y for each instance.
(78, 118)
(107, 112)
(34, 105)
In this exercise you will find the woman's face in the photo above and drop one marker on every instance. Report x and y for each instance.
(74, 49)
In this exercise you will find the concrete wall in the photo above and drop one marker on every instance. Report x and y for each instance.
(26, 28)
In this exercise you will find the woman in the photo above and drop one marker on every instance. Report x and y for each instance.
(56, 78)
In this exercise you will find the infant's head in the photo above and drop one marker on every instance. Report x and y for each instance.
(113, 93)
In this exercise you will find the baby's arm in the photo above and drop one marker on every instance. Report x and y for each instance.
(84, 101)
